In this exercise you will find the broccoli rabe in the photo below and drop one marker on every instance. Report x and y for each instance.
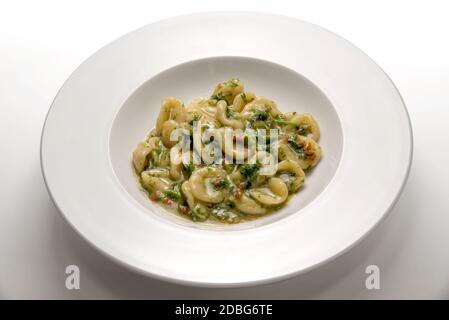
(189, 168)
(250, 171)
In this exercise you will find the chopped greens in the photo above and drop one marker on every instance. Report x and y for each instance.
(250, 171)
(189, 168)
(229, 112)
(221, 96)
(199, 214)
(260, 116)
(287, 122)
(172, 194)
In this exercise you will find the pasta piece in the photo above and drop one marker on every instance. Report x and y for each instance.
(167, 128)
(235, 151)
(200, 109)
(247, 205)
(208, 145)
(142, 152)
(158, 172)
(286, 153)
(275, 193)
(242, 99)
(237, 177)
(227, 91)
(309, 152)
(260, 104)
(207, 184)
(187, 191)
(172, 109)
(292, 174)
(176, 164)
(306, 125)
(154, 184)
(267, 162)
(303, 150)
(199, 210)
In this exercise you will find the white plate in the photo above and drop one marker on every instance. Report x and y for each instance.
(109, 103)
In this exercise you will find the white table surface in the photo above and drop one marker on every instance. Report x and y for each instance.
(42, 42)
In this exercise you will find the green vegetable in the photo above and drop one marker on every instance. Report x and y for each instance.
(220, 96)
(250, 171)
(155, 157)
(260, 116)
(199, 214)
(229, 112)
(189, 168)
(287, 123)
(261, 119)
(172, 194)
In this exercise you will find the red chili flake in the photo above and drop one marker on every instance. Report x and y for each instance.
(154, 196)
(184, 210)
(167, 201)
(238, 194)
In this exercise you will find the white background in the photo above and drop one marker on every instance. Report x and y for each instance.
(42, 42)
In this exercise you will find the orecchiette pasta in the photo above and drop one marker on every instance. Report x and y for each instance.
(231, 148)
(304, 123)
(141, 153)
(242, 99)
(292, 174)
(172, 109)
(203, 184)
(154, 183)
(219, 167)
(167, 128)
(176, 166)
(249, 206)
(258, 105)
(275, 193)
(227, 91)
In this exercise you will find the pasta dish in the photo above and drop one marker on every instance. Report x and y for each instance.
(228, 158)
